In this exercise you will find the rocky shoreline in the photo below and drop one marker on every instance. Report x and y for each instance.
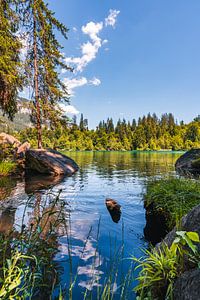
(36, 161)
(187, 285)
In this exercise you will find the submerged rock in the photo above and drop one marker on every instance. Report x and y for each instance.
(114, 209)
(49, 162)
(189, 162)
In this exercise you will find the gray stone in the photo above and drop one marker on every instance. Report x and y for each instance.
(49, 162)
(190, 222)
(187, 286)
(189, 162)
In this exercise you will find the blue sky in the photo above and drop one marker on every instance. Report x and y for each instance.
(145, 58)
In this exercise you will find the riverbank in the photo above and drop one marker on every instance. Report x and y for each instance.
(172, 214)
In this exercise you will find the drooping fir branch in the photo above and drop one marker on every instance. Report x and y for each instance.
(11, 75)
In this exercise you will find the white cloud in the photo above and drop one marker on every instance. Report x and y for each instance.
(73, 83)
(92, 29)
(89, 51)
(95, 81)
(68, 109)
(112, 17)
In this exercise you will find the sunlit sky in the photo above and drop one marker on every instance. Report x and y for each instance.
(132, 57)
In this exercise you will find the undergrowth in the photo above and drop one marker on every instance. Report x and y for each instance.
(174, 197)
(7, 168)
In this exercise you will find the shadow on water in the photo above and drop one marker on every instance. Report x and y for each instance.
(83, 251)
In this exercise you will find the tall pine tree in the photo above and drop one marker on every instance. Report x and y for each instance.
(43, 61)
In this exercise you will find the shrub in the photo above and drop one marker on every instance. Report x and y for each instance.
(7, 168)
(173, 196)
(162, 266)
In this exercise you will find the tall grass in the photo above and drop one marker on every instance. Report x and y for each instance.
(161, 266)
(174, 197)
(7, 168)
(26, 257)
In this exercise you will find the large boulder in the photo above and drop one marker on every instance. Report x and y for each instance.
(187, 286)
(49, 162)
(189, 162)
(9, 139)
(189, 222)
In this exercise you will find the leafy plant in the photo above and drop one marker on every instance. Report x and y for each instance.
(161, 266)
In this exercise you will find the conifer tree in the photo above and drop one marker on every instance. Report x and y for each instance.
(43, 61)
(11, 77)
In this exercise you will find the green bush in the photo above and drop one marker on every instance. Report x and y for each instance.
(7, 168)
(160, 267)
(173, 196)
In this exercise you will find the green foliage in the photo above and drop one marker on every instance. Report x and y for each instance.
(44, 60)
(11, 75)
(7, 168)
(173, 196)
(149, 133)
(160, 267)
(26, 258)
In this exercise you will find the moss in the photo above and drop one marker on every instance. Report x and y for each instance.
(174, 196)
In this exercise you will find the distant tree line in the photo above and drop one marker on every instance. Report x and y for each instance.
(147, 133)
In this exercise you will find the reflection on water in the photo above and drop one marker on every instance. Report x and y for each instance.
(88, 246)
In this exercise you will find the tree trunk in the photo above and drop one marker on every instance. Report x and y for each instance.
(37, 103)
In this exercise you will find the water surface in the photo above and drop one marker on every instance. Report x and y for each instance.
(94, 239)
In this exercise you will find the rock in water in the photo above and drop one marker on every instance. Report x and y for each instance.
(189, 162)
(114, 209)
(49, 162)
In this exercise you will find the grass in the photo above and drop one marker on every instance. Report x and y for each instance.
(7, 168)
(160, 267)
(26, 257)
(174, 197)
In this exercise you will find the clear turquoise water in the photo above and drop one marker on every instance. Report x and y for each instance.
(118, 175)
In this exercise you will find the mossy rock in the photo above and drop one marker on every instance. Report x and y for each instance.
(189, 162)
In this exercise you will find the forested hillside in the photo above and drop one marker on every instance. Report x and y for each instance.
(147, 133)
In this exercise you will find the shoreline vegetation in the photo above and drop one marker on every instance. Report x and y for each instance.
(148, 133)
